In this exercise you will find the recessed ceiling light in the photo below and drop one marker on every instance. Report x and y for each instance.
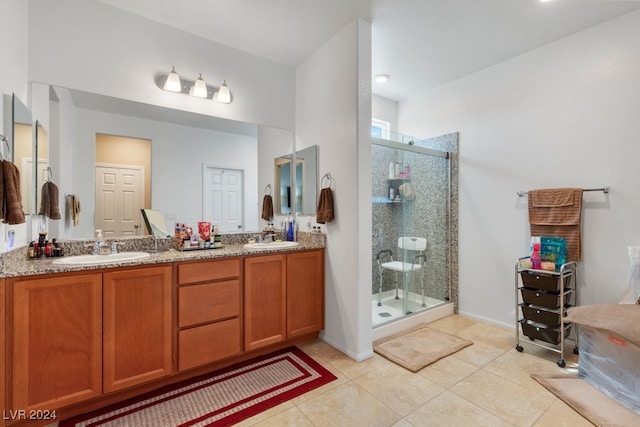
(381, 78)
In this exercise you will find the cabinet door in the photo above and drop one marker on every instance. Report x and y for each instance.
(57, 341)
(137, 326)
(305, 292)
(264, 300)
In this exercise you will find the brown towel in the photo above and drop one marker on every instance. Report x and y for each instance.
(11, 197)
(325, 206)
(267, 207)
(49, 201)
(557, 212)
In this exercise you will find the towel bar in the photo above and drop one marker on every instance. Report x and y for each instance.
(603, 189)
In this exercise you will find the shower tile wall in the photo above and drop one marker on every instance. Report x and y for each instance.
(425, 216)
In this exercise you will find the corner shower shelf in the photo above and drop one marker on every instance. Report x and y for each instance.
(384, 200)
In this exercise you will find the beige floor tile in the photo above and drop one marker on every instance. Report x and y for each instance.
(478, 354)
(403, 423)
(561, 415)
(290, 417)
(271, 412)
(496, 336)
(315, 347)
(348, 405)
(355, 370)
(448, 371)
(517, 404)
(450, 410)
(401, 390)
(570, 358)
(452, 323)
(518, 368)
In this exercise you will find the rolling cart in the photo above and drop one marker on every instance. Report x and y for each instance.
(542, 300)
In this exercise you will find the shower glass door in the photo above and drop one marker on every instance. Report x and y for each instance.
(411, 202)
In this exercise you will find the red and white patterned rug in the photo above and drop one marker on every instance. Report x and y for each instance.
(223, 398)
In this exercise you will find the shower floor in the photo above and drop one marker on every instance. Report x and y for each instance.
(391, 309)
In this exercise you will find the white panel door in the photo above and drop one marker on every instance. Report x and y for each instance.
(223, 198)
(119, 198)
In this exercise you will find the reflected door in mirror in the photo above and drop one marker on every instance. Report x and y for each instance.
(223, 203)
(119, 195)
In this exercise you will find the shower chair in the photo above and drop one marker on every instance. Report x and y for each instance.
(408, 246)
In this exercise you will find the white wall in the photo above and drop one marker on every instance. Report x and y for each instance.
(90, 46)
(13, 79)
(564, 115)
(177, 156)
(386, 110)
(333, 110)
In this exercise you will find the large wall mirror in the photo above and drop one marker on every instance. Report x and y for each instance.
(191, 155)
(22, 149)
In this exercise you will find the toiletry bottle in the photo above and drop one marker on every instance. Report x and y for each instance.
(407, 171)
(536, 262)
(391, 193)
(32, 251)
(392, 170)
(397, 170)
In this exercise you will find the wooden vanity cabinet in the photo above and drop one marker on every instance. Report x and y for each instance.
(265, 293)
(284, 297)
(137, 329)
(209, 307)
(56, 341)
(305, 292)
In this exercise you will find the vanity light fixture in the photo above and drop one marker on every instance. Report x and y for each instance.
(223, 94)
(199, 88)
(173, 83)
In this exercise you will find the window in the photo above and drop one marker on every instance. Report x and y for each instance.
(380, 129)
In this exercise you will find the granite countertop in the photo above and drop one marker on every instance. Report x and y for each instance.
(19, 265)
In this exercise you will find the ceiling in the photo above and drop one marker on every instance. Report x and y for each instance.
(421, 44)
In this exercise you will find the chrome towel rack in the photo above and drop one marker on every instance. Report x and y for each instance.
(603, 189)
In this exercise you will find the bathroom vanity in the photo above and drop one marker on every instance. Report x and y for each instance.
(80, 338)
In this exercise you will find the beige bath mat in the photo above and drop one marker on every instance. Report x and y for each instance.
(418, 347)
(588, 401)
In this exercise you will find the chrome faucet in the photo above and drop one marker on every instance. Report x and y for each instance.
(114, 247)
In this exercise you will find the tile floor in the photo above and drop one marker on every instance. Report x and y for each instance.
(485, 384)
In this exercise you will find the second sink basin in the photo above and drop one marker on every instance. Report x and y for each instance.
(100, 259)
(270, 245)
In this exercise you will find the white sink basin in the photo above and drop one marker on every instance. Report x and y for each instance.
(100, 259)
(270, 245)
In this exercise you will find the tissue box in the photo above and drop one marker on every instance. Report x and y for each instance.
(610, 363)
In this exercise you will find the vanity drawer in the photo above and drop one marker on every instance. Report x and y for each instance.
(545, 282)
(206, 271)
(208, 302)
(208, 343)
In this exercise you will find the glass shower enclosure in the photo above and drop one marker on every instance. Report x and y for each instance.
(412, 221)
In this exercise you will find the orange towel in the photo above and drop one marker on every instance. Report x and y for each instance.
(557, 212)
(325, 206)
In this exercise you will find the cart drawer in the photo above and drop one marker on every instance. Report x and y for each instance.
(547, 282)
(538, 331)
(540, 298)
(541, 314)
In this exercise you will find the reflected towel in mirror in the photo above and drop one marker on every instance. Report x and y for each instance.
(49, 201)
(267, 208)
